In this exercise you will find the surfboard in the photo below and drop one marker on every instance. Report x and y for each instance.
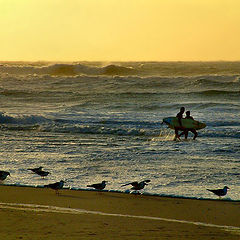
(173, 122)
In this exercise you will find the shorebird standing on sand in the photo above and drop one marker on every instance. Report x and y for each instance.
(137, 185)
(98, 186)
(220, 192)
(55, 186)
(3, 175)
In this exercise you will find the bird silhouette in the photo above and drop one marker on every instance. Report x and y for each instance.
(98, 186)
(42, 173)
(39, 171)
(35, 170)
(137, 185)
(3, 175)
(55, 186)
(219, 192)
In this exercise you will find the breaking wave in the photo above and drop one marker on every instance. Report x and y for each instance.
(218, 70)
(68, 69)
(29, 119)
(113, 127)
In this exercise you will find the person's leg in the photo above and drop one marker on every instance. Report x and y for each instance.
(176, 134)
(195, 133)
(186, 134)
(181, 133)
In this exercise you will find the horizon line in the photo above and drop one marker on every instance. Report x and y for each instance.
(66, 61)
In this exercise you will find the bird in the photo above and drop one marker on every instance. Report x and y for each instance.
(35, 170)
(219, 192)
(137, 185)
(3, 175)
(98, 186)
(42, 173)
(55, 186)
(39, 171)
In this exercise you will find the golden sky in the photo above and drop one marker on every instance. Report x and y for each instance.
(119, 30)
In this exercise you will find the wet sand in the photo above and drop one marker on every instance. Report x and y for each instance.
(112, 216)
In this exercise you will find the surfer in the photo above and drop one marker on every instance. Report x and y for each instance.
(180, 117)
(188, 116)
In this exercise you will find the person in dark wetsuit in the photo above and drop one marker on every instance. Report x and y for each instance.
(188, 116)
(179, 116)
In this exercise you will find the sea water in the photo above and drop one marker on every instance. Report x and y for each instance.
(85, 122)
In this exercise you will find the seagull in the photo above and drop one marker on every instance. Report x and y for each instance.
(39, 171)
(137, 185)
(55, 186)
(42, 173)
(35, 170)
(3, 175)
(98, 186)
(220, 192)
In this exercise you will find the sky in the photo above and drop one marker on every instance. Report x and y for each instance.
(119, 30)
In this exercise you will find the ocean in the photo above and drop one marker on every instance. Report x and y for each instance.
(85, 122)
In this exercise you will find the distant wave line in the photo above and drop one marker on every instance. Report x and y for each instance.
(123, 68)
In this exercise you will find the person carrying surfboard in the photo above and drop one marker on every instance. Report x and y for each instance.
(180, 117)
(188, 116)
(179, 123)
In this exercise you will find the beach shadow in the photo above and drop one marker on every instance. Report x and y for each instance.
(98, 193)
(70, 196)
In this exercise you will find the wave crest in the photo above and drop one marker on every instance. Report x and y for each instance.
(173, 69)
(67, 69)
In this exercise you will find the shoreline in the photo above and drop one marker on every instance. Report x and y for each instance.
(88, 214)
(226, 199)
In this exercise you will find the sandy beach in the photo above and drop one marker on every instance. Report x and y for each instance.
(38, 213)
